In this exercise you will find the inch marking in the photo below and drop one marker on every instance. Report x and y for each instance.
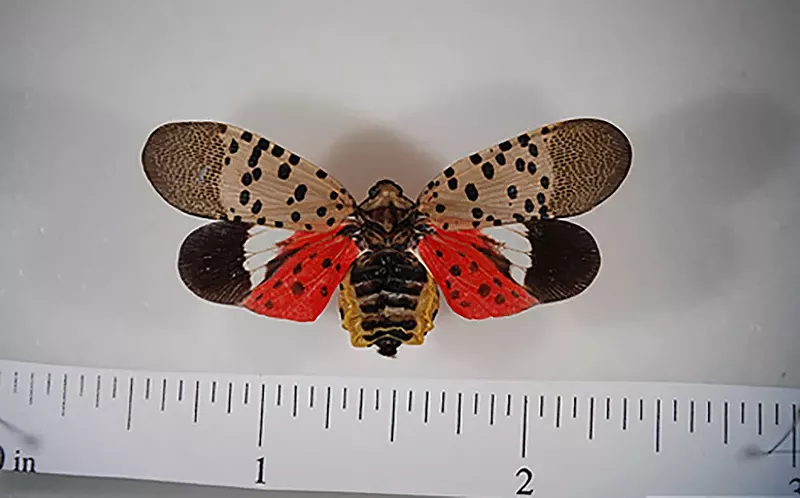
(164, 395)
(625, 413)
(394, 411)
(130, 404)
(230, 395)
(97, 393)
(558, 411)
(491, 410)
(360, 403)
(261, 416)
(658, 425)
(524, 426)
(458, 415)
(427, 403)
(328, 407)
(64, 396)
(30, 390)
(294, 401)
(196, 398)
(725, 423)
(591, 417)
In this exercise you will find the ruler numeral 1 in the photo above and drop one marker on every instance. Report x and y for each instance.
(260, 472)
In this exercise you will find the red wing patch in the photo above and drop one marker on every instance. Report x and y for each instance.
(302, 277)
(468, 270)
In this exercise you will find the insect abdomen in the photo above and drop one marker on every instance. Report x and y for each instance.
(388, 298)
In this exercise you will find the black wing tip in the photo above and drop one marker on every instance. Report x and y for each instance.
(211, 262)
(566, 260)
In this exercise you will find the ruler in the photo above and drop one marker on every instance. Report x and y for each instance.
(411, 437)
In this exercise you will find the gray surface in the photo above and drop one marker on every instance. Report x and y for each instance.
(699, 280)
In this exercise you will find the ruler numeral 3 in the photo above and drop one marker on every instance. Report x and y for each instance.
(527, 484)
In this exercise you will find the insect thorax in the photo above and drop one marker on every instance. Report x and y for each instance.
(388, 298)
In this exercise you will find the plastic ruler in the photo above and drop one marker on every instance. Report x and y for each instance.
(412, 437)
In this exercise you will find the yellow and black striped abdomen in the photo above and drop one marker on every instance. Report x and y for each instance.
(388, 298)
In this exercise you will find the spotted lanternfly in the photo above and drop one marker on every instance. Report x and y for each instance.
(486, 231)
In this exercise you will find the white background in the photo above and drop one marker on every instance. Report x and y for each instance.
(699, 281)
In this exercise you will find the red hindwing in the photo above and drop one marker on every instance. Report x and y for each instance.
(303, 276)
(472, 283)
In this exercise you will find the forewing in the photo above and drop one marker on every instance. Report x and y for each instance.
(502, 271)
(240, 264)
(219, 171)
(557, 171)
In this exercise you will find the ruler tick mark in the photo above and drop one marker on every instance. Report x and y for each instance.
(360, 403)
(427, 403)
(591, 417)
(458, 415)
(180, 390)
(558, 411)
(114, 383)
(524, 426)
(574, 407)
(475, 404)
(608, 408)
(641, 409)
(491, 410)
(47, 387)
(196, 398)
(760, 418)
(625, 413)
(31, 389)
(674, 410)
(130, 404)
(541, 406)
(742, 411)
(97, 393)
(658, 425)
(147, 389)
(691, 416)
(213, 391)
(794, 435)
(16, 383)
(377, 400)
(328, 407)
(261, 416)
(246, 399)
(441, 408)
(410, 400)
(230, 395)
(64, 396)
(294, 401)
(311, 396)
(164, 394)
(508, 405)
(777, 414)
(278, 395)
(725, 423)
(82, 385)
(344, 398)
(394, 411)
(708, 412)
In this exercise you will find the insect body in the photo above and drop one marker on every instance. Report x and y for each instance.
(487, 232)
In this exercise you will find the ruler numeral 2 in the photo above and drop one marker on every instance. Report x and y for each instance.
(525, 489)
